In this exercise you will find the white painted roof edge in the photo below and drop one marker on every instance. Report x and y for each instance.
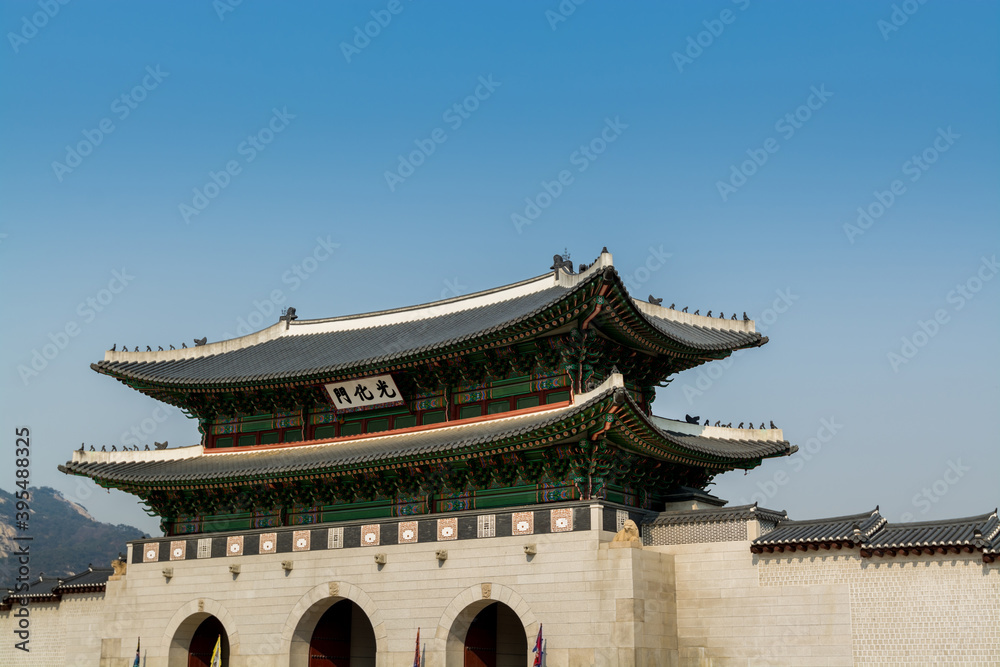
(175, 454)
(698, 320)
(719, 432)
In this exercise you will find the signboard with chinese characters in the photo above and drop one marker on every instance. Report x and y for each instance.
(378, 391)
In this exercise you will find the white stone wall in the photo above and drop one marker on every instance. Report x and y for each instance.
(726, 618)
(599, 605)
(63, 633)
(913, 610)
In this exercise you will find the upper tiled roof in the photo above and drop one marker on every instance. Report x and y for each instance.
(315, 348)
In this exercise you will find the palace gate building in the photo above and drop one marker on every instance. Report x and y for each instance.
(480, 469)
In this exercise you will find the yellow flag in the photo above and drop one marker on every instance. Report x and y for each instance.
(217, 653)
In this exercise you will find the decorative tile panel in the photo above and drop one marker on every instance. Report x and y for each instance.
(486, 525)
(621, 516)
(447, 529)
(205, 547)
(178, 550)
(151, 552)
(335, 538)
(561, 520)
(370, 535)
(300, 540)
(234, 545)
(268, 543)
(407, 532)
(523, 523)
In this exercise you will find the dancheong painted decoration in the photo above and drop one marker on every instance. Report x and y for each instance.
(535, 392)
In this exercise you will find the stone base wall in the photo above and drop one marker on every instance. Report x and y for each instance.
(601, 603)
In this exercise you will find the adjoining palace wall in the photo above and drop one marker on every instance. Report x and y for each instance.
(913, 610)
(833, 608)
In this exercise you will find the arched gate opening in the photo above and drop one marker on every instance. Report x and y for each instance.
(203, 643)
(496, 639)
(334, 632)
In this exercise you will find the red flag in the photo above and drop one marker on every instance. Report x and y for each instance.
(538, 648)
(416, 651)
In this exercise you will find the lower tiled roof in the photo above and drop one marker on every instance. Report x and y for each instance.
(52, 588)
(875, 536)
(737, 513)
(195, 466)
(856, 528)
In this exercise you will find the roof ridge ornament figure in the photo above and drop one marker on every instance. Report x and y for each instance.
(287, 315)
(159, 445)
(198, 342)
(691, 420)
(562, 262)
(745, 318)
(653, 300)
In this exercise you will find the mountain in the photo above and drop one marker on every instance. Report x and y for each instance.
(65, 538)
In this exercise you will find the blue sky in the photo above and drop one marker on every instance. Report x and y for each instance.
(739, 138)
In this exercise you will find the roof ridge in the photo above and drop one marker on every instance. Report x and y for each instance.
(428, 304)
(832, 519)
(940, 522)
